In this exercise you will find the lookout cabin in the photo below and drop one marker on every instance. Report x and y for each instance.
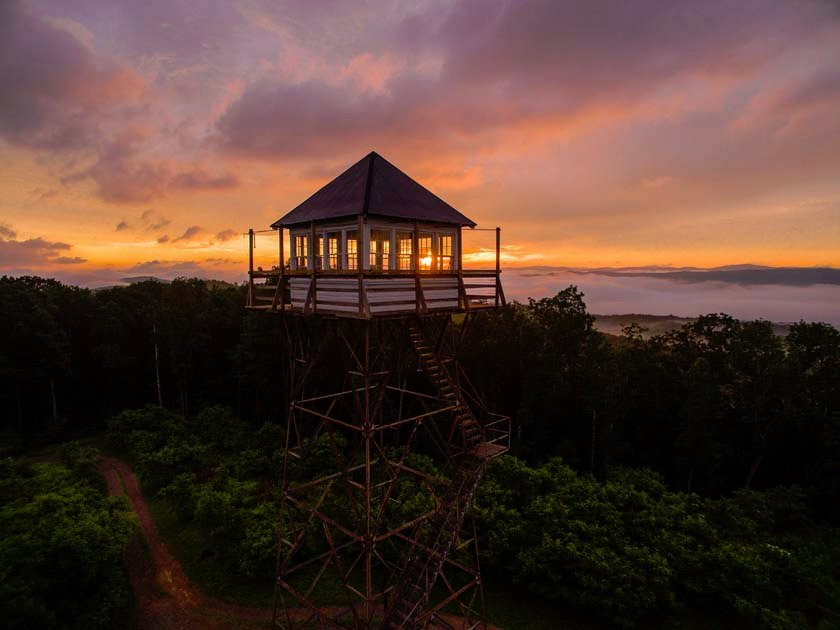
(372, 242)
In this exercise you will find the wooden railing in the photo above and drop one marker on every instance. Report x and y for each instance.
(366, 293)
(371, 293)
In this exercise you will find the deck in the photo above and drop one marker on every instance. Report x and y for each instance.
(370, 294)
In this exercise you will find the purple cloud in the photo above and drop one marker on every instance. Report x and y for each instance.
(201, 180)
(189, 233)
(33, 251)
(53, 89)
(226, 235)
(153, 220)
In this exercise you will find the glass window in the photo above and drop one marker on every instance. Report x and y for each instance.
(334, 249)
(425, 252)
(405, 251)
(445, 252)
(352, 250)
(380, 249)
(301, 251)
(319, 252)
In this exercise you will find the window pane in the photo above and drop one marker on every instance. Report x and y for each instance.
(319, 252)
(301, 251)
(380, 248)
(352, 250)
(424, 246)
(405, 250)
(334, 250)
(445, 252)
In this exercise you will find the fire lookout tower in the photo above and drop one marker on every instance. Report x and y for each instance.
(386, 441)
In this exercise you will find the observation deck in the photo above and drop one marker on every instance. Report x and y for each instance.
(372, 243)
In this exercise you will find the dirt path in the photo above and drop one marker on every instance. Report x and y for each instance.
(165, 598)
(164, 595)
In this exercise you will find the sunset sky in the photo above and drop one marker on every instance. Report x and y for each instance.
(146, 137)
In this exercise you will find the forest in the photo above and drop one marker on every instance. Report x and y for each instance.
(652, 480)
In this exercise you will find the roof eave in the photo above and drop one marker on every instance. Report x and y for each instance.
(282, 222)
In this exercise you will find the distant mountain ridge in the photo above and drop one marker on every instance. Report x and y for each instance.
(745, 274)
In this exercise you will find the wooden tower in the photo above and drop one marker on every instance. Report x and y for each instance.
(386, 441)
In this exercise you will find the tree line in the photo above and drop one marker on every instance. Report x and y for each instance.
(715, 405)
(697, 468)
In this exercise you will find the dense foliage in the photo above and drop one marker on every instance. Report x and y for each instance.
(628, 548)
(632, 550)
(698, 468)
(716, 405)
(61, 545)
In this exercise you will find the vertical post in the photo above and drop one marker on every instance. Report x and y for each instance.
(459, 266)
(392, 250)
(251, 266)
(367, 426)
(312, 248)
(313, 259)
(360, 250)
(415, 264)
(281, 280)
(498, 261)
(458, 259)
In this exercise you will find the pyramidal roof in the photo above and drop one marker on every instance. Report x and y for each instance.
(374, 186)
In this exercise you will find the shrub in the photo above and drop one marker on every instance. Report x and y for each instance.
(61, 546)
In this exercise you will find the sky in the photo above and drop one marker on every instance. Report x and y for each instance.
(144, 138)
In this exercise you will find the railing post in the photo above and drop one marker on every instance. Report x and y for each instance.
(415, 263)
(281, 284)
(498, 261)
(359, 266)
(251, 267)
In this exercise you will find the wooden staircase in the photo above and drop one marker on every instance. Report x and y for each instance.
(425, 559)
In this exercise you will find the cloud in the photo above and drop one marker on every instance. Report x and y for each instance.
(122, 225)
(201, 180)
(153, 220)
(510, 64)
(226, 235)
(168, 269)
(33, 251)
(68, 260)
(53, 89)
(122, 175)
(189, 234)
(780, 276)
(164, 238)
(6, 231)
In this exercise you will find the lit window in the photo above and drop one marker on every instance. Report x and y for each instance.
(334, 249)
(380, 249)
(445, 252)
(352, 251)
(424, 245)
(301, 251)
(319, 252)
(405, 251)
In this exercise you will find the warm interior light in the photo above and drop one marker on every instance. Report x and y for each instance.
(426, 261)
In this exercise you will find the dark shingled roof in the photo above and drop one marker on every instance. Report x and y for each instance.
(374, 186)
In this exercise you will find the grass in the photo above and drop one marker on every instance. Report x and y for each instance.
(189, 545)
(511, 609)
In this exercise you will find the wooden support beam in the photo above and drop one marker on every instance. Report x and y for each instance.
(498, 261)
(251, 266)
(359, 266)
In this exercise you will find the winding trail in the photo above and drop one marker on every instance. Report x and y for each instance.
(164, 595)
(165, 598)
